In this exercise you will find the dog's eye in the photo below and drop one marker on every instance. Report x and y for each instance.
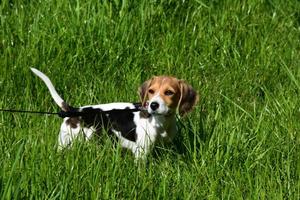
(151, 91)
(169, 93)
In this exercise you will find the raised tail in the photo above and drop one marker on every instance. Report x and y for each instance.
(58, 100)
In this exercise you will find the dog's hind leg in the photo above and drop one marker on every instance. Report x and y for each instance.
(67, 134)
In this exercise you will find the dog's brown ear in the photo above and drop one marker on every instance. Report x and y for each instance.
(143, 91)
(188, 99)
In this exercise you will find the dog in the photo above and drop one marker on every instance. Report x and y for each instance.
(137, 126)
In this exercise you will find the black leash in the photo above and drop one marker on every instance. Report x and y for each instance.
(63, 114)
(28, 111)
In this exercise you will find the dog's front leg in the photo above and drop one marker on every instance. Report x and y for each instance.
(144, 145)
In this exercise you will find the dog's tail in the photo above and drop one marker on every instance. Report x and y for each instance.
(58, 100)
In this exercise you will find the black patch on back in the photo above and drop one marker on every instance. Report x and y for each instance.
(118, 119)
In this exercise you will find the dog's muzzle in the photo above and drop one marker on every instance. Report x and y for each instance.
(157, 106)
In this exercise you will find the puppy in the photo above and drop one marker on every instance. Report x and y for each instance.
(138, 126)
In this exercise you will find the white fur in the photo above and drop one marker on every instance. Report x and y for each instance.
(58, 100)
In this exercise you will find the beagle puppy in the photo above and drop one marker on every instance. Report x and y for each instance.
(137, 126)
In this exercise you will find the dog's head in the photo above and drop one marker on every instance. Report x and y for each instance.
(163, 95)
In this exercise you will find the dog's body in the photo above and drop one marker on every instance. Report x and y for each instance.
(137, 126)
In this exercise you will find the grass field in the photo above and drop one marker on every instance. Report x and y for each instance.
(241, 142)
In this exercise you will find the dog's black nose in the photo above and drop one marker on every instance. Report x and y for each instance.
(154, 106)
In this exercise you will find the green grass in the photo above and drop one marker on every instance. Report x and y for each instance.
(241, 142)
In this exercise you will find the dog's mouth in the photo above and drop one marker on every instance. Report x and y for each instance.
(165, 114)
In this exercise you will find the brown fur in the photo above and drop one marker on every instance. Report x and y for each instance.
(74, 122)
(183, 96)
